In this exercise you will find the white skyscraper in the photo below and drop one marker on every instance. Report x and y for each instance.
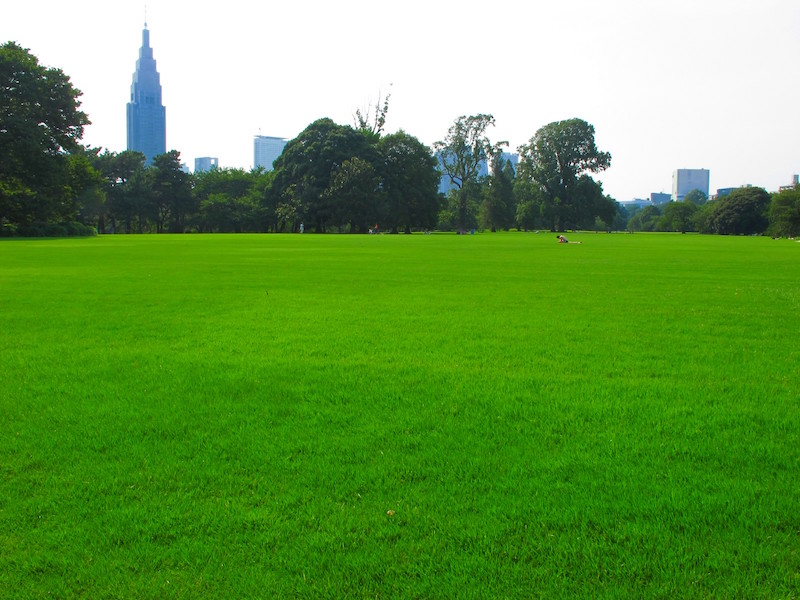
(686, 180)
(266, 149)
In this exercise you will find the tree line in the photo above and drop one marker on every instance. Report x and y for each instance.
(745, 211)
(330, 178)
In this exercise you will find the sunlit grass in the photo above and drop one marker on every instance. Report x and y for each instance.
(382, 416)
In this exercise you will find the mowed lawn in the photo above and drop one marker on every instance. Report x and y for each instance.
(426, 416)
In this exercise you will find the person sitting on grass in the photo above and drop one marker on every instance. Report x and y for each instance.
(563, 240)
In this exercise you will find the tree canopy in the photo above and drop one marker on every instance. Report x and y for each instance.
(784, 213)
(743, 211)
(556, 158)
(40, 122)
(330, 177)
(461, 154)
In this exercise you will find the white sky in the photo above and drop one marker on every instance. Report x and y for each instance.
(667, 83)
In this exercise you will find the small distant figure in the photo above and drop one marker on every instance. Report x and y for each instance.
(302, 228)
(563, 240)
(375, 229)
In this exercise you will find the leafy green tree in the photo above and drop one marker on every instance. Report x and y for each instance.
(172, 193)
(85, 186)
(531, 211)
(497, 208)
(784, 213)
(557, 155)
(410, 182)
(645, 219)
(304, 171)
(743, 211)
(678, 216)
(118, 171)
(354, 196)
(462, 152)
(596, 205)
(229, 200)
(40, 123)
(621, 217)
(452, 212)
(696, 197)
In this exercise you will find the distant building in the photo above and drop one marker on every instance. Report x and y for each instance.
(795, 183)
(722, 192)
(266, 149)
(205, 163)
(146, 115)
(660, 198)
(636, 202)
(686, 180)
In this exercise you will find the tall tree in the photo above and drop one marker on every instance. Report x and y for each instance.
(172, 193)
(354, 195)
(40, 122)
(227, 200)
(305, 169)
(410, 182)
(497, 207)
(86, 190)
(645, 220)
(784, 213)
(743, 211)
(119, 171)
(557, 156)
(678, 216)
(462, 152)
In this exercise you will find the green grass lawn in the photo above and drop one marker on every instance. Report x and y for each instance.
(385, 416)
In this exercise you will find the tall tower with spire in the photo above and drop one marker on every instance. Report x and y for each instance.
(147, 128)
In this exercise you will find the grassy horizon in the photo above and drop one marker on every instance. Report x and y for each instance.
(421, 416)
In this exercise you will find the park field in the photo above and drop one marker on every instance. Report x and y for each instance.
(425, 416)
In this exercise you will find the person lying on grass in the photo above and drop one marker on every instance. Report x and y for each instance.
(563, 240)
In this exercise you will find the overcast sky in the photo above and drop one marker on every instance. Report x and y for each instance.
(667, 84)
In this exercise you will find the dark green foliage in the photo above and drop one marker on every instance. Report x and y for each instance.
(334, 177)
(354, 197)
(40, 123)
(558, 158)
(678, 216)
(233, 200)
(743, 211)
(696, 197)
(784, 213)
(171, 193)
(498, 206)
(304, 171)
(462, 153)
(65, 229)
(645, 220)
(410, 182)
(620, 222)
(533, 209)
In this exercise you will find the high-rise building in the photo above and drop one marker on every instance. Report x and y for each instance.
(266, 149)
(205, 163)
(686, 180)
(147, 129)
